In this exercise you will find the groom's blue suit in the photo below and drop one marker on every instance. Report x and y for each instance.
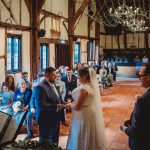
(47, 114)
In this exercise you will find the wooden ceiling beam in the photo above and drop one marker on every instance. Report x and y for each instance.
(80, 10)
(50, 14)
(40, 4)
(9, 10)
(15, 27)
(28, 4)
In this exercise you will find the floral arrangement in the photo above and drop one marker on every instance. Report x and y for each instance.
(17, 106)
(37, 145)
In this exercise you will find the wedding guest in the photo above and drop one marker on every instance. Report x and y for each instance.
(137, 59)
(71, 83)
(6, 99)
(103, 76)
(11, 84)
(145, 60)
(25, 78)
(115, 69)
(87, 125)
(61, 88)
(139, 127)
(23, 94)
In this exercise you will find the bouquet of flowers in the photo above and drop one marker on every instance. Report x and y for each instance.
(17, 106)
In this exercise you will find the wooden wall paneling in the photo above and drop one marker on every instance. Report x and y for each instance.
(125, 40)
(118, 41)
(146, 39)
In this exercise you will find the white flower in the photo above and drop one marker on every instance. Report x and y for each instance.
(17, 106)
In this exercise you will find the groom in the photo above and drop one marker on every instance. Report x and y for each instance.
(48, 105)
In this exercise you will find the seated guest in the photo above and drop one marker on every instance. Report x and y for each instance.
(11, 84)
(25, 78)
(23, 94)
(145, 60)
(71, 83)
(137, 59)
(30, 117)
(6, 99)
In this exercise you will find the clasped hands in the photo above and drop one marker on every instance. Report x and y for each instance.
(66, 105)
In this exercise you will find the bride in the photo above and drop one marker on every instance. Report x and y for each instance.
(87, 130)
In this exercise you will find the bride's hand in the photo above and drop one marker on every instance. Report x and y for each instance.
(68, 105)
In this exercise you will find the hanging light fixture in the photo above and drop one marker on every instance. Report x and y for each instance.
(132, 17)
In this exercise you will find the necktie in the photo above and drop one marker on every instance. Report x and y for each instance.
(69, 79)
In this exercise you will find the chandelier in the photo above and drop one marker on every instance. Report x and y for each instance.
(132, 17)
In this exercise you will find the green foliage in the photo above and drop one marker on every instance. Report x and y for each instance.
(36, 145)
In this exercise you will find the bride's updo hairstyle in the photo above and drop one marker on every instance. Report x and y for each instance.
(84, 72)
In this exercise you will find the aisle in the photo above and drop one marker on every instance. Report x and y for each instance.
(117, 107)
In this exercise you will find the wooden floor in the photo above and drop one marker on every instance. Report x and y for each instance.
(118, 103)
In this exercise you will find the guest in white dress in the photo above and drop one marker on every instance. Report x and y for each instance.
(87, 130)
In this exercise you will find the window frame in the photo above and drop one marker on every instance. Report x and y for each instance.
(79, 52)
(13, 36)
(41, 55)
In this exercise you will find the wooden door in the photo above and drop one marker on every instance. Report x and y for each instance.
(62, 56)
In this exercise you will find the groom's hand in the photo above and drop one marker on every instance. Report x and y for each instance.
(60, 106)
(123, 128)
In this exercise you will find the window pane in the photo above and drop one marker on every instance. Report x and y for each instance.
(9, 53)
(16, 53)
(44, 57)
(13, 53)
(76, 53)
(91, 50)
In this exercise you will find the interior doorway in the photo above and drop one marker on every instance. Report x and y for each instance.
(62, 56)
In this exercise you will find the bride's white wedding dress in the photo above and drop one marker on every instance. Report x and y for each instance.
(87, 126)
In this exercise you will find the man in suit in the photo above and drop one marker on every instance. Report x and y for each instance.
(48, 106)
(139, 130)
(71, 83)
(61, 88)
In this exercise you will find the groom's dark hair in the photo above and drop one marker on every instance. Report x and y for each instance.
(84, 72)
(49, 70)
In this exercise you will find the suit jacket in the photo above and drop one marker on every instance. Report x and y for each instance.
(70, 86)
(46, 100)
(139, 131)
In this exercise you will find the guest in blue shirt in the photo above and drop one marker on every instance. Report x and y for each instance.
(6, 99)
